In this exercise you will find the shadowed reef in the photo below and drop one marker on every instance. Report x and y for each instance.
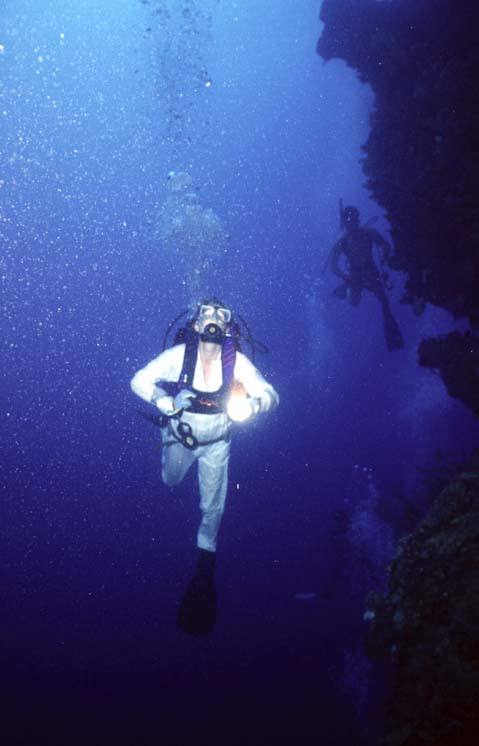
(422, 155)
(421, 163)
(428, 623)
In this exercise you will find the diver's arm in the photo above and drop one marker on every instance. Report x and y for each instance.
(256, 386)
(383, 245)
(336, 252)
(147, 382)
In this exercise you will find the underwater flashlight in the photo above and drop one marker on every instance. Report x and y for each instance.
(240, 406)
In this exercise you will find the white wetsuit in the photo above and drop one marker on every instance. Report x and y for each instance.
(212, 457)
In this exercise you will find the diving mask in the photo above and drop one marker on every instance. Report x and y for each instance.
(211, 312)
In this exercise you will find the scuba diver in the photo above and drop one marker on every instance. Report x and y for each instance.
(361, 271)
(201, 386)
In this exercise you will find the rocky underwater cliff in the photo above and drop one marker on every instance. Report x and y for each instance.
(428, 623)
(422, 156)
(421, 160)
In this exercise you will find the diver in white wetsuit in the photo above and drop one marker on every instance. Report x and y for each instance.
(202, 386)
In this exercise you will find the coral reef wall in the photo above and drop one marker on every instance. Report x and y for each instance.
(429, 623)
(421, 160)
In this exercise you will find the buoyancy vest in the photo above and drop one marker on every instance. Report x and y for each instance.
(206, 402)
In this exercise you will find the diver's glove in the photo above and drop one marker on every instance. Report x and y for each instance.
(170, 406)
(183, 400)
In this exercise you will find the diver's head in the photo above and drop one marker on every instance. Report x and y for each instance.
(212, 321)
(350, 218)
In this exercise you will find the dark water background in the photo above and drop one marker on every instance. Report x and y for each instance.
(96, 551)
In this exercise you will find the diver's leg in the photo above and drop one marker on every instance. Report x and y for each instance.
(355, 291)
(198, 607)
(213, 482)
(175, 462)
(197, 612)
(374, 284)
(392, 332)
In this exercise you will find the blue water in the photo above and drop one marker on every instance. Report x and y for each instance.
(98, 102)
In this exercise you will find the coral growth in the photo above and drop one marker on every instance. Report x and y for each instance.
(429, 623)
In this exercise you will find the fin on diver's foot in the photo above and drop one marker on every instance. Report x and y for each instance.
(392, 333)
(197, 612)
(341, 291)
(396, 343)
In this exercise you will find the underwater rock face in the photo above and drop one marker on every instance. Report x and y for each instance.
(422, 156)
(456, 356)
(429, 623)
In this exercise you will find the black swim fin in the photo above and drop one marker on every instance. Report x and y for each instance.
(392, 332)
(341, 291)
(197, 612)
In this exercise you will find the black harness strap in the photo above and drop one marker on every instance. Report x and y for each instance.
(207, 402)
